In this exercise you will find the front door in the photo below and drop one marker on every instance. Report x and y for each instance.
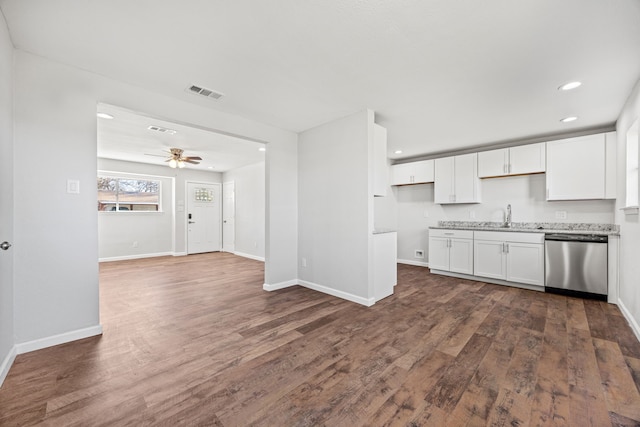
(203, 217)
(228, 216)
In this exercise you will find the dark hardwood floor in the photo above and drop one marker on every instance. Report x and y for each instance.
(196, 341)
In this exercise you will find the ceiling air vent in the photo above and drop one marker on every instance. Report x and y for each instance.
(203, 91)
(162, 130)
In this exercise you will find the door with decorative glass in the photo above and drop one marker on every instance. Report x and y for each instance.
(204, 212)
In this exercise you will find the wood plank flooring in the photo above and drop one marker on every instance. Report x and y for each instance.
(196, 341)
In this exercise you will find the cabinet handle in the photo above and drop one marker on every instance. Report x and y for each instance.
(506, 245)
(509, 167)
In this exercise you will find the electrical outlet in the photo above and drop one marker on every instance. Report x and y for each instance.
(255, 244)
(561, 214)
(135, 244)
(426, 213)
(472, 214)
(304, 262)
(419, 253)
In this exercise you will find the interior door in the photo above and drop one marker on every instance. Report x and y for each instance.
(203, 217)
(6, 235)
(228, 216)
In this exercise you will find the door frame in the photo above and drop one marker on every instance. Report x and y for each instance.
(234, 216)
(186, 211)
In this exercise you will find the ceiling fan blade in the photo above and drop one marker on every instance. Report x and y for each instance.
(193, 158)
(189, 160)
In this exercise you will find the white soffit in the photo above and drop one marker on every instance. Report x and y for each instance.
(441, 75)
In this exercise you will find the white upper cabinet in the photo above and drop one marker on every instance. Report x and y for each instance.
(577, 168)
(456, 179)
(380, 167)
(412, 173)
(525, 159)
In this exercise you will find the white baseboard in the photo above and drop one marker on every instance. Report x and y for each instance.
(179, 254)
(138, 256)
(66, 337)
(336, 293)
(6, 364)
(280, 285)
(409, 262)
(244, 255)
(632, 322)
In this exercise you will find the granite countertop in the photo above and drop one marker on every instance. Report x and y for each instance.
(534, 227)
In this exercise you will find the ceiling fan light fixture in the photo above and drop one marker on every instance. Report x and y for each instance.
(181, 164)
(173, 163)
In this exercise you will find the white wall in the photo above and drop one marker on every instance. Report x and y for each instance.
(526, 194)
(154, 232)
(56, 234)
(281, 212)
(7, 340)
(334, 204)
(250, 206)
(629, 224)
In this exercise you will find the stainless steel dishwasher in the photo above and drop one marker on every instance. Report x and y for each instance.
(576, 264)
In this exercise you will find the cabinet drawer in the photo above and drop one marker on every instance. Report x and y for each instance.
(509, 236)
(458, 234)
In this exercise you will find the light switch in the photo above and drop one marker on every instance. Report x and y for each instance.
(73, 186)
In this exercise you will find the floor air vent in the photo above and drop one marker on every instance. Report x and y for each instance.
(203, 91)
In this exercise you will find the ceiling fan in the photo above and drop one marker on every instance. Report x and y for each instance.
(177, 160)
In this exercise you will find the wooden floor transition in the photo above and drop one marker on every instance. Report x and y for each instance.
(196, 341)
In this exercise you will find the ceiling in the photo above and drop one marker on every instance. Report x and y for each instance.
(127, 137)
(440, 75)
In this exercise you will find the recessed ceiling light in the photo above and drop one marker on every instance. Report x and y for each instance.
(210, 167)
(568, 119)
(104, 116)
(570, 85)
(262, 149)
(397, 152)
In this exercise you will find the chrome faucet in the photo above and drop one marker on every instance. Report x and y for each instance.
(507, 223)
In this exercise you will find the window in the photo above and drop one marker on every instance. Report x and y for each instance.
(632, 166)
(128, 194)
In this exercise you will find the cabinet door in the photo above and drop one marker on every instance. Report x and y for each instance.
(527, 159)
(525, 263)
(489, 259)
(443, 189)
(401, 174)
(461, 256)
(575, 168)
(423, 172)
(493, 163)
(380, 169)
(467, 183)
(439, 253)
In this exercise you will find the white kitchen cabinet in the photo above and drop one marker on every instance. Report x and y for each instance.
(380, 167)
(577, 168)
(385, 255)
(456, 179)
(412, 173)
(511, 256)
(524, 159)
(451, 250)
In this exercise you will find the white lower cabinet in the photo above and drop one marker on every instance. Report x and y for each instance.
(511, 256)
(451, 250)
